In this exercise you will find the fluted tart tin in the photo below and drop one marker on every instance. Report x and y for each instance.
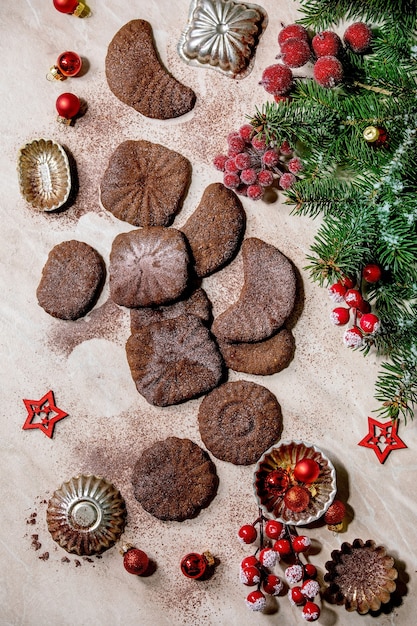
(283, 458)
(86, 515)
(44, 174)
(223, 35)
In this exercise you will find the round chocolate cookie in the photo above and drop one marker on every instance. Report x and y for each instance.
(174, 360)
(174, 479)
(261, 358)
(266, 299)
(215, 229)
(145, 183)
(148, 266)
(137, 77)
(71, 281)
(238, 421)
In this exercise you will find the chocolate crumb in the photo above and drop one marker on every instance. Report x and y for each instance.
(44, 556)
(36, 545)
(65, 559)
(77, 563)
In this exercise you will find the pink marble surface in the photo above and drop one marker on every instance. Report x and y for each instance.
(326, 394)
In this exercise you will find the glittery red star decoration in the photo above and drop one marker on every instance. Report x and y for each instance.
(382, 438)
(43, 414)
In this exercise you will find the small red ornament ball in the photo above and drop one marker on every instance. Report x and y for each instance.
(358, 37)
(328, 71)
(292, 30)
(297, 499)
(326, 43)
(372, 273)
(66, 6)
(311, 612)
(69, 63)
(247, 533)
(340, 316)
(335, 513)
(277, 79)
(273, 529)
(67, 105)
(307, 470)
(136, 561)
(193, 565)
(277, 480)
(295, 52)
(369, 323)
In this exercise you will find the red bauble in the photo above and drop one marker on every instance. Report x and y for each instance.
(247, 533)
(68, 105)
(328, 71)
(66, 6)
(69, 63)
(297, 499)
(340, 316)
(277, 481)
(353, 298)
(369, 323)
(135, 561)
(307, 470)
(372, 273)
(335, 513)
(273, 529)
(194, 565)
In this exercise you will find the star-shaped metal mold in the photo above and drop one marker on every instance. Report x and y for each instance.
(382, 438)
(43, 414)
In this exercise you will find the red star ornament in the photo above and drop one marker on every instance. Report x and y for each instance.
(382, 438)
(43, 414)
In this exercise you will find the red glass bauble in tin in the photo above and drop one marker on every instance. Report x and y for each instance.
(136, 561)
(194, 565)
(69, 63)
(66, 6)
(67, 105)
(277, 481)
(307, 470)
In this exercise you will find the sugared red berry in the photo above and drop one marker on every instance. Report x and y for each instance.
(311, 612)
(273, 585)
(285, 148)
(340, 316)
(256, 601)
(246, 131)
(230, 165)
(249, 561)
(326, 43)
(352, 337)
(277, 79)
(348, 282)
(242, 160)
(358, 37)
(259, 142)
(273, 529)
(265, 178)
(231, 180)
(297, 499)
(306, 470)
(295, 165)
(235, 142)
(295, 52)
(353, 298)
(328, 71)
(369, 323)
(247, 533)
(294, 574)
(310, 588)
(287, 180)
(219, 162)
(283, 547)
(295, 596)
(301, 543)
(310, 570)
(248, 176)
(250, 576)
(255, 192)
(372, 273)
(270, 158)
(290, 31)
(267, 557)
(337, 292)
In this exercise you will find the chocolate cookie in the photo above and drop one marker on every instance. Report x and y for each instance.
(148, 266)
(71, 281)
(261, 358)
(215, 229)
(196, 304)
(174, 479)
(137, 77)
(240, 420)
(174, 360)
(145, 183)
(266, 299)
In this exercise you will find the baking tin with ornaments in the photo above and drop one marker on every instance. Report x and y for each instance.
(285, 457)
(44, 174)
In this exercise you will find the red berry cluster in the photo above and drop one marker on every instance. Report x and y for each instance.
(346, 291)
(252, 164)
(324, 50)
(278, 544)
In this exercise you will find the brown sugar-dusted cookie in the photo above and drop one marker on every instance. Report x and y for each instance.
(148, 266)
(174, 360)
(238, 421)
(261, 358)
(196, 304)
(215, 229)
(71, 281)
(145, 183)
(266, 299)
(174, 479)
(137, 77)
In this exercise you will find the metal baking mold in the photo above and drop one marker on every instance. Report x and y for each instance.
(44, 174)
(86, 515)
(223, 35)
